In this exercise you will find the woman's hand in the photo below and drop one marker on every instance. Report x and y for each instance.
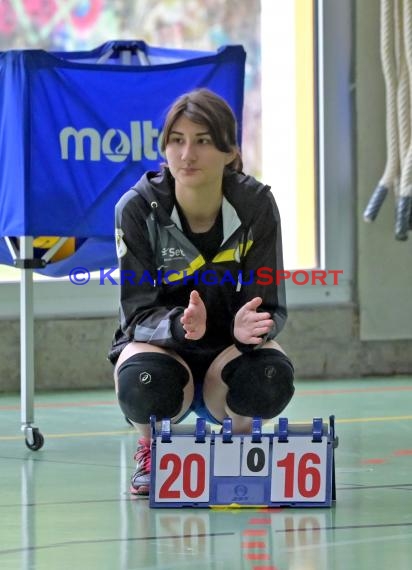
(250, 326)
(194, 317)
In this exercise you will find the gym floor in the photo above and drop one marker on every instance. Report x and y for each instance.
(66, 506)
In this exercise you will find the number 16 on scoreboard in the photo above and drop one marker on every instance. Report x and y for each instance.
(298, 471)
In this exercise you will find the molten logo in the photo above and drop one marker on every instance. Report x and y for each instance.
(142, 141)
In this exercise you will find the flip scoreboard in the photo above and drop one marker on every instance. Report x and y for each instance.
(196, 467)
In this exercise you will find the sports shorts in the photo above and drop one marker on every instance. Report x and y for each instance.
(199, 362)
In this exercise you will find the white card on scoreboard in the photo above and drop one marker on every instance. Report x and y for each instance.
(182, 470)
(299, 470)
(227, 457)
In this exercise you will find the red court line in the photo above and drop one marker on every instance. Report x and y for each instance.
(256, 556)
(353, 390)
(373, 461)
(254, 532)
(265, 568)
(325, 392)
(64, 405)
(254, 544)
(401, 452)
(260, 521)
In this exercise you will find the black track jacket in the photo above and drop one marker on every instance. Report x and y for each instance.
(159, 266)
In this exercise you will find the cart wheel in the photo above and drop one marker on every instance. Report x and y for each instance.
(38, 440)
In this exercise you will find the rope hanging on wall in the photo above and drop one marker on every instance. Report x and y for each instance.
(396, 58)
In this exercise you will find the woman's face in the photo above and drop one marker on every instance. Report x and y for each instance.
(192, 157)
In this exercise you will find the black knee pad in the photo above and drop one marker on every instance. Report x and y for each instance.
(151, 383)
(260, 383)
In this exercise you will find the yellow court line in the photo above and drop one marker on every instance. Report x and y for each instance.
(129, 431)
(76, 434)
(377, 419)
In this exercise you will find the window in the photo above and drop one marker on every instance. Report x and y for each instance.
(288, 123)
(297, 103)
(306, 134)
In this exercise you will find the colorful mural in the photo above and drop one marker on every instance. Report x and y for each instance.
(71, 25)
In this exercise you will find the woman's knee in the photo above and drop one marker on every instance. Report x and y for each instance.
(143, 347)
(214, 372)
(259, 383)
(152, 382)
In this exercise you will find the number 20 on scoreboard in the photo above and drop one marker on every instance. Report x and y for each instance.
(293, 466)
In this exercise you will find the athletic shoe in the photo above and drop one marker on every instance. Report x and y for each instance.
(140, 480)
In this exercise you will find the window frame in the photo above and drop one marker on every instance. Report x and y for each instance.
(335, 156)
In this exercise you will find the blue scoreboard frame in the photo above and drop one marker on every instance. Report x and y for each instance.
(293, 466)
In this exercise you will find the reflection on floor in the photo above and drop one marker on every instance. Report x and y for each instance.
(66, 506)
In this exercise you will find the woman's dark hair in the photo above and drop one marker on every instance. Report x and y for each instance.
(206, 108)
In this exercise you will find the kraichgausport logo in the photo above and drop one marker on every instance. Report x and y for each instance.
(263, 276)
(141, 141)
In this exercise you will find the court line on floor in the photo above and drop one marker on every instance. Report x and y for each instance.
(372, 419)
(314, 392)
(359, 487)
(346, 527)
(332, 391)
(58, 405)
(73, 434)
(129, 431)
(221, 534)
(112, 540)
(71, 503)
(337, 543)
(41, 458)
